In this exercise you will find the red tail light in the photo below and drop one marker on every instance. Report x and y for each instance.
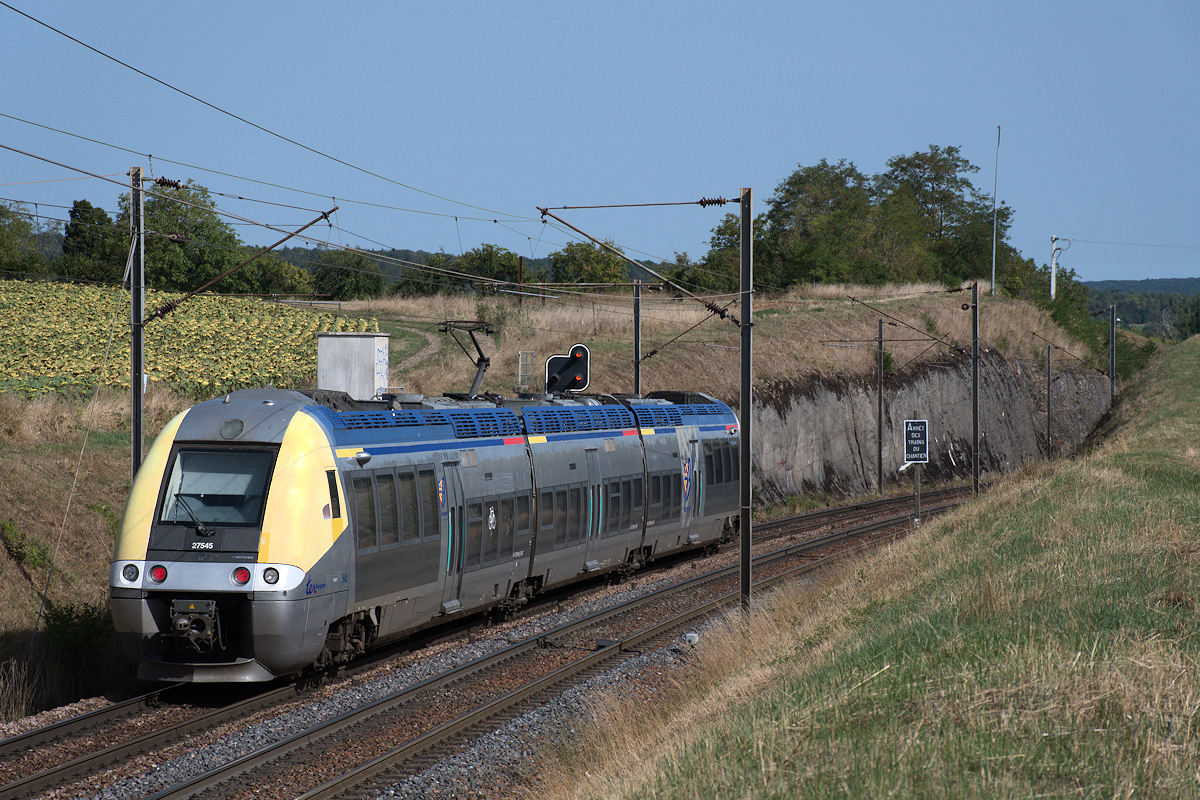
(158, 573)
(241, 576)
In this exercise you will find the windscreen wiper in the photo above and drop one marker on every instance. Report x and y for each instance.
(180, 501)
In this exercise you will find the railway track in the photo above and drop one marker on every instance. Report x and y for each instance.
(53, 756)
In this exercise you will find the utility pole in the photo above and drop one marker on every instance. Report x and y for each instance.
(137, 314)
(747, 284)
(1054, 251)
(1049, 379)
(637, 338)
(975, 386)
(879, 414)
(995, 183)
(521, 280)
(1112, 355)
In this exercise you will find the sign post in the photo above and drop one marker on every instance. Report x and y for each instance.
(916, 451)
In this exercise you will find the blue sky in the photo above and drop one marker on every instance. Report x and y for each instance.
(507, 106)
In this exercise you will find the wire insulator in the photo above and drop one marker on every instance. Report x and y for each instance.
(168, 182)
(716, 309)
(705, 202)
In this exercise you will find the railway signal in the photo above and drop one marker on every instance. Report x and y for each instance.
(570, 372)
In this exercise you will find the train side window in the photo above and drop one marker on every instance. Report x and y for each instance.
(506, 527)
(389, 512)
(734, 466)
(560, 517)
(521, 529)
(335, 507)
(546, 510)
(364, 514)
(491, 531)
(429, 505)
(709, 474)
(655, 496)
(613, 511)
(667, 505)
(575, 516)
(676, 494)
(639, 496)
(474, 534)
(409, 511)
(626, 501)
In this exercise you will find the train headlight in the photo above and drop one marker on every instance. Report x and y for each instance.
(241, 576)
(130, 572)
(158, 573)
(271, 575)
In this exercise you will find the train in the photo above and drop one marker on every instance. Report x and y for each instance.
(272, 532)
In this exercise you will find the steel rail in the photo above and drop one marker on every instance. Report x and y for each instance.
(77, 767)
(13, 745)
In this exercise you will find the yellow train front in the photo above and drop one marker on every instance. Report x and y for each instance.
(229, 564)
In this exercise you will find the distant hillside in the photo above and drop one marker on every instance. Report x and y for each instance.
(1184, 286)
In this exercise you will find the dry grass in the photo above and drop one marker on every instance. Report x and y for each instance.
(52, 418)
(810, 328)
(1038, 643)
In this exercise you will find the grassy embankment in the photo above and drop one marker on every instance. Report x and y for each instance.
(57, 336)
(1039, 643)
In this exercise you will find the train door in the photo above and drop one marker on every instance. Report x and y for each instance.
(691, 486)
(454, 524)
(595, 504)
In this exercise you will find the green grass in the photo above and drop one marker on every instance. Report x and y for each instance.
(1040, 643)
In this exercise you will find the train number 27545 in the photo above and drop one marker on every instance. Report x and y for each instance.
(202, 545)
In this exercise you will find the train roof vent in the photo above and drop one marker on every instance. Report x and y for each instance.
(476, 422)
(657, 416)
(702, 409)
(362, 420)
(563, 419)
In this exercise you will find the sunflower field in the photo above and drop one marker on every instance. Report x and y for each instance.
(66, 338)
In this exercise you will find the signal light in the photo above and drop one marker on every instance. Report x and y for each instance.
(570, 372)
(241, 576)
(158, 573)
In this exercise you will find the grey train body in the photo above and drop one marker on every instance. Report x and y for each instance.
(383, 518)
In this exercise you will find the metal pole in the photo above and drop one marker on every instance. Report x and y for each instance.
(747, 284)
(975, 386)
(137, 314)
(1053, 265)
(1049, 379)
(520, 278)
(917, 488)
(879, 415)
(1112, 355)
(637, 338)
(995, 182)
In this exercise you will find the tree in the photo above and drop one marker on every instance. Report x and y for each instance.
(957, 217)
(817, 224)
(490, 261)
(346, 274)
(18, 241)
(580, 262)
(94, 248)
(268, 274)
(187, 242)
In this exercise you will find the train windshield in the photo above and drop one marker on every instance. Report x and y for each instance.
(217, 487)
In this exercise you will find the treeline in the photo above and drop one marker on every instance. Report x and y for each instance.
(188, 244)
(921, 220)
(1164, 314)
